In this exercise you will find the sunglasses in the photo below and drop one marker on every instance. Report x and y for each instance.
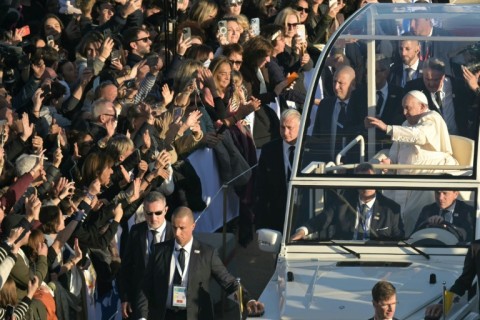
(235, 3)
(157, 213)
(300, 9)
(145, 39)
(237, 62)
(292, 25)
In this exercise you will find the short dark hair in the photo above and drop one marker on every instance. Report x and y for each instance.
(383, 290)
(364, 167)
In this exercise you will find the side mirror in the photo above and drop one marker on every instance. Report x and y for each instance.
(269, 240)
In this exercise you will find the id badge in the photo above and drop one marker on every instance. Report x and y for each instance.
(179, 298)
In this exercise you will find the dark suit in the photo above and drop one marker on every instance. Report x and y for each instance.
(471, 268)
(204, 263)
(271, 187)
(337, 221)
(322, 131)
(392, 113)
(463, 99)
(462, 218)
(133, 262)
(397, 73)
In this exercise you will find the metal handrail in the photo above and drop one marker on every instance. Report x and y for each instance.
(358, 139)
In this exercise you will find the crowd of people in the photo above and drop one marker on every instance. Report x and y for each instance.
(101, 105)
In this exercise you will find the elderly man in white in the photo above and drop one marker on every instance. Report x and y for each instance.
(422, 139)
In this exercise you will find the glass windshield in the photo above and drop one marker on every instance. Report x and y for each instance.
(399, 89)
(418, 216)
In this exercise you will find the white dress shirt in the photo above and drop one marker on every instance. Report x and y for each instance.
(173, 266)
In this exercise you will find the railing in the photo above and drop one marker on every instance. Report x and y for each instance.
(354, 142)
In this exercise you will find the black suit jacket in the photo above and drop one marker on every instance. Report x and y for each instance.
(338, 220)
(463, 99)
(392, 113)
(271, 187)
(133, 262)
(471, 268)
(462, 218)
(322, 131)
(396, 73)
(204, 263)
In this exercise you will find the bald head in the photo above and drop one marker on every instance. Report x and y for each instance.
(344, 82)
(183, 225)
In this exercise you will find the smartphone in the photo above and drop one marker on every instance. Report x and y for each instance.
(187, 33)
(177, 113)
(50, 41)
(129, 84)
(132, 161)
(26, 228)
(9, 312)
(292, 77)
(90, 63)
(59, 144)
(301, 32)
(255, 26)
(107, 33)
(3, 128)
(115, 55)
(222, 27)
(24, 31)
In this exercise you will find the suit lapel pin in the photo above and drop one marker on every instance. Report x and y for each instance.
(196, 251)
(393, 96)
(453, 96)
(455, 214)
(377, 216)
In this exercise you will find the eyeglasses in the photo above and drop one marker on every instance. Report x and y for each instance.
(111, 115)
(300, 9)
(145, 39)
(388, 305)
(292, 25)
(237, 3)
(237, 62)
(157, 213)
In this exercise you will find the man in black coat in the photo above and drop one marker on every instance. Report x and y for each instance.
(330, 128)
(273, 173)
(142, 237)
(471, 269)
(409, 67)
(446, 95)
(448, 208)
(177, 278)
(364, 215)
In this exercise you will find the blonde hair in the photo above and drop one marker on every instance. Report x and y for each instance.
(282, 16)
(200, 10)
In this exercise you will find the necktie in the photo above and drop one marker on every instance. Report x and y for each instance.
(438, 99)
(291, 153)
(363, 222)
(409, 73)
(154, 239)
(177, 279)
(447, 215)
(342, 116)
(380, 100)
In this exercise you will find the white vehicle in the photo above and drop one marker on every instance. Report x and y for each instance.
(327, 275)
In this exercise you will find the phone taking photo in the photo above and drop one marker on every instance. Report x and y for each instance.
(187, 33)
(255, 26)
(50, 41)
(301, 32)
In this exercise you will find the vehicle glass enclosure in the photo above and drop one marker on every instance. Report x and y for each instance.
(324, 167)
(332, 214)
(380, 31)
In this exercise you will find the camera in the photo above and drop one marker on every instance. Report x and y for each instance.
(222, 27)
(473, 67)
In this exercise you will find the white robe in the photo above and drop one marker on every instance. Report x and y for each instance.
(425, 143)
